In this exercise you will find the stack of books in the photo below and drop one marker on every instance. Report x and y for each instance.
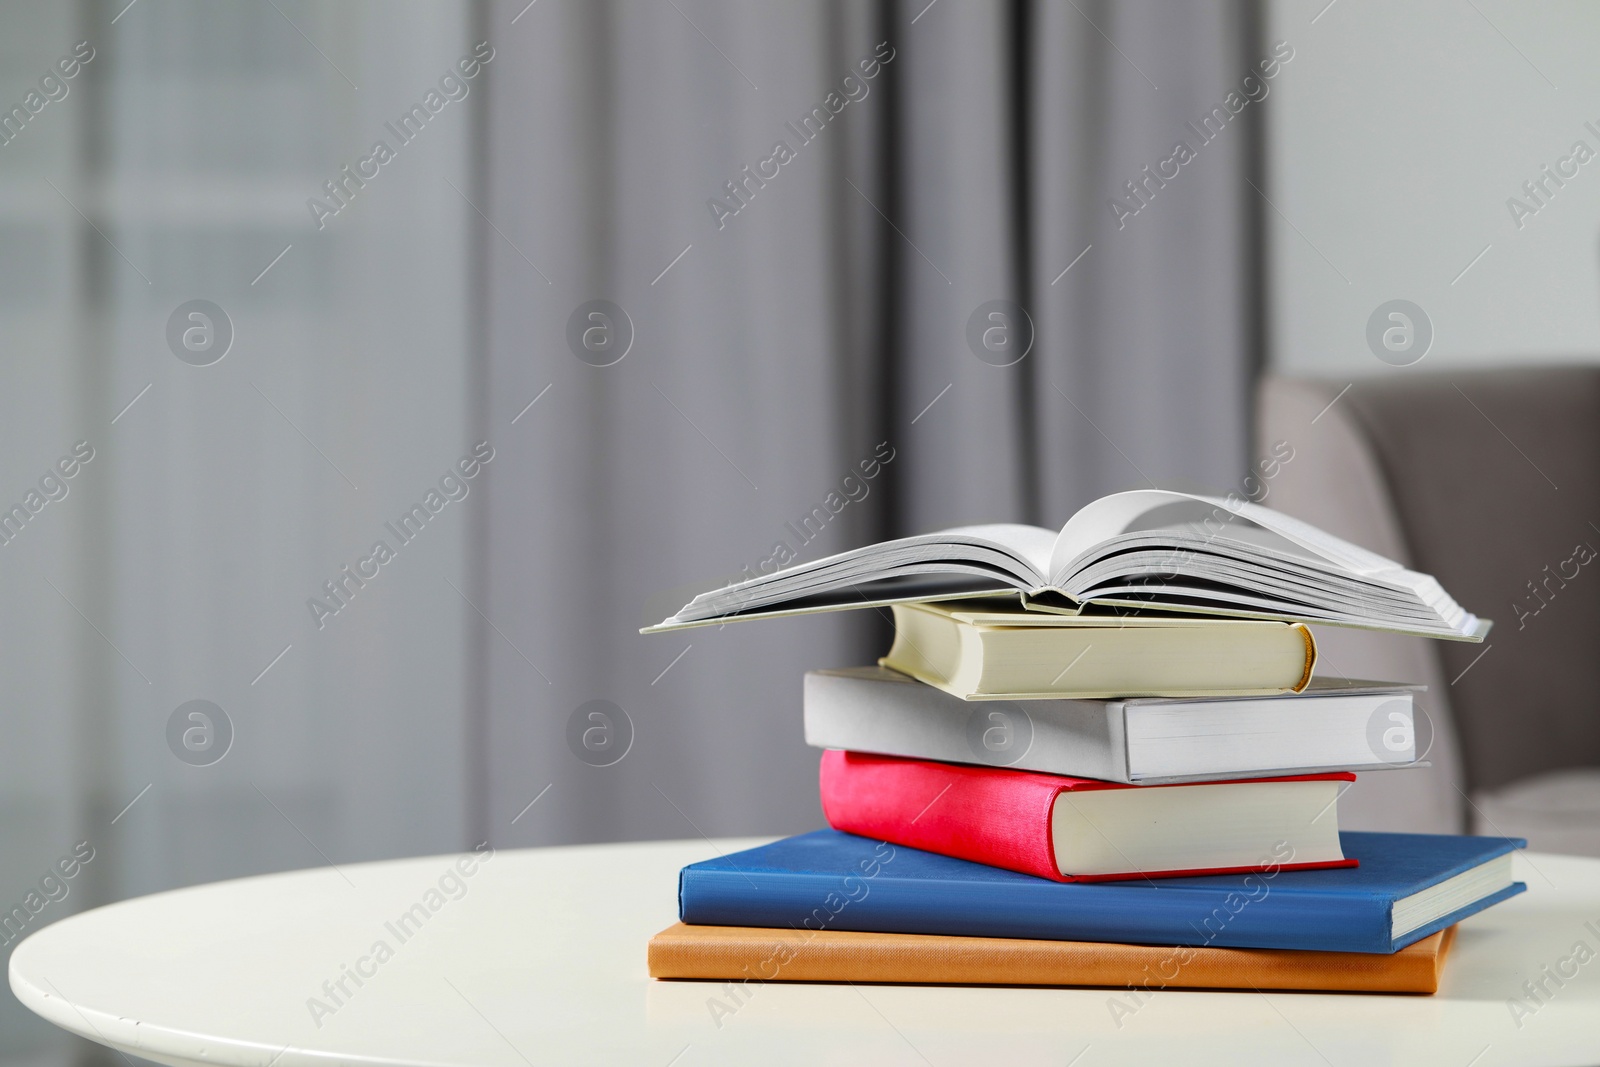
(1098, 757)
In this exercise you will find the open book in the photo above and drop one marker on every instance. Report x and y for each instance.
(1146, 549)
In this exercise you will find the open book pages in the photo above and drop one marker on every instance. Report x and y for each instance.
(1150, 548)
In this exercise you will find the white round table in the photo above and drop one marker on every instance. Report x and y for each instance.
(538, 956)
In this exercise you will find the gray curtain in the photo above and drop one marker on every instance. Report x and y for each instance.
(799, 373)
(810, 317)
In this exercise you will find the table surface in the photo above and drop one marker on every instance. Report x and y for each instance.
(538, 956)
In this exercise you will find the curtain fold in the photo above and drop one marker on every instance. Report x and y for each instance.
(842, 238)
(718, 286)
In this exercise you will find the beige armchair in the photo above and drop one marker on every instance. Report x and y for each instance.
(1489, 480)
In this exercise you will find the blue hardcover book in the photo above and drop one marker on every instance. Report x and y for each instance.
(1406, 887)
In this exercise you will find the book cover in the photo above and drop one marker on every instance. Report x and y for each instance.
(1148, 741)
(828, 880)
(749, 954)
(983, 655)
(1007, 818)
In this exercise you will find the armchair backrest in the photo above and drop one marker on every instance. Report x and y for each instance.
(1491, 481)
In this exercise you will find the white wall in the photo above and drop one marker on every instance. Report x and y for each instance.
(1395, 138)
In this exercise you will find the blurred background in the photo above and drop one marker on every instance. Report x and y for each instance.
(581, 308)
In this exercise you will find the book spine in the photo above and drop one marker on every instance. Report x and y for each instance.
(908, 653)
(995, 817)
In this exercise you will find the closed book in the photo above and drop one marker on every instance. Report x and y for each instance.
(749, 954)
(1407, 887)
(1335, 724)
(978, 653)
(1079, 829)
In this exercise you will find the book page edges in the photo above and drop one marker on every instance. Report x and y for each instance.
(1201, 872)
(671, 625)
(1154, 694)
(927, 677)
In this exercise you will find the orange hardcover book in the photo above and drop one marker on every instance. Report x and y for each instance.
(740, 953)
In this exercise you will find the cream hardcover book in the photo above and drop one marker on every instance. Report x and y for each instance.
(978, 654)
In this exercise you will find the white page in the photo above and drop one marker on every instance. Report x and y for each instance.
(1112, 515)
(1026, 547)
(1034, 544)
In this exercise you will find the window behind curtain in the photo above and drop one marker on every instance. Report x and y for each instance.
(179, 564)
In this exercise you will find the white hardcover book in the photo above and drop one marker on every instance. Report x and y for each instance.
(1149, 548)
(1335, 725)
